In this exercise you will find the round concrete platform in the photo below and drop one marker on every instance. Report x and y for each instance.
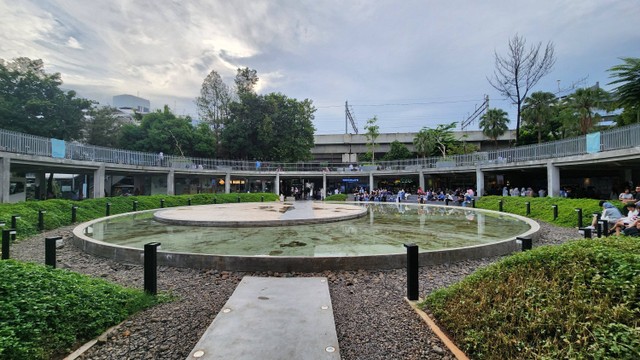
(259, 214)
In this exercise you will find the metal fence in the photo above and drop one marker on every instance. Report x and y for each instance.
(612, 139)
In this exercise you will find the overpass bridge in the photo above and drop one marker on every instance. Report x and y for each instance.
(605, 161)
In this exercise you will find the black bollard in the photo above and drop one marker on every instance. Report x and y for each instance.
(108, 209)
(6, 239)
(555, 211)
(527, 243)
(161, 203)
(604, 225)
(74, 214)
(238, 198)
(579, 211)
(599, 228)
(150, 268)
(41, 220)
(528, 209)
(412, 271)
(215, 200)
(14, 226)
(189, 201)
(473, 203)
(262, 198)
(500, 205)
(50, 250)
(587, 232)
(135, 205)
(446, 202)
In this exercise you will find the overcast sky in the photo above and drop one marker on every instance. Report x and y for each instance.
(411, 63)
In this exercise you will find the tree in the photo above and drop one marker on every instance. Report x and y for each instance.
(441, 138)
(213, 104)
(398, 151)
(372, 133)
(422, 143)
(585, 102)
(270, 127)
(103, 127)
(494, 124)
(627, 93)
(538, 111)
(246, 80)
(32, 102)
(520, 70)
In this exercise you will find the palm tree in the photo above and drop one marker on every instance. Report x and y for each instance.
(584, 102)
(423, 144)
(628, 76)
(538, 110)
(494, 124)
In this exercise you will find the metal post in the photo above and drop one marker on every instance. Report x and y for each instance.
(161, 203)
(412, 271)
(189, 201)
(604, 225)
(500, 205)
(50, 250)
(599, 228)
(527, 243)
(14, 226)
(238, 198)
(555, 211)
(6, 239)
(262, 198)
(215, 200)
(135, 205)
(579, 211)
(150, 268)
(74, 214)
(41, 220)
(587, 232)
(473, 203)
(528, 205)
(446, 202)
(108, 211)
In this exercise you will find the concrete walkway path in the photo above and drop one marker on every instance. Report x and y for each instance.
(273, 318)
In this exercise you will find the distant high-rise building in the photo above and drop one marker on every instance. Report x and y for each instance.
(130, 102)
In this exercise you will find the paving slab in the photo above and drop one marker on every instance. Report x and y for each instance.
(271, 318)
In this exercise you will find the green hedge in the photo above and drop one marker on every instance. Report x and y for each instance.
(541, 208)
(58, 212)
(580, 300)
(336, 197)
(44, 312)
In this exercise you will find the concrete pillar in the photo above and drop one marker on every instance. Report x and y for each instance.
(98, 182)
(421, 179)
(277, 184)
(5, 179)
(41, 182)
(553, 180)
(479, 182)
(371, 183)
(628, 178)
(324, 186)
(227, 183)
(171, 185)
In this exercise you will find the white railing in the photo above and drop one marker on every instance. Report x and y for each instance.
(612, 139)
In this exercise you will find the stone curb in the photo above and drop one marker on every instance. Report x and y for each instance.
(436, 330)
(88, 345)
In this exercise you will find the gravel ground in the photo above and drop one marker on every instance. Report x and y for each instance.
(373, 321)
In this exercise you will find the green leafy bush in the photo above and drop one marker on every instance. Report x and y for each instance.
(541, 208)
(46, 311)
(336, 197)
(58, 212)
(580, 300)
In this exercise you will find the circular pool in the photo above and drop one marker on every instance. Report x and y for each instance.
(347, 241)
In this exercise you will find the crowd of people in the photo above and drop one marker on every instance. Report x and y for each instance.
(458, 196)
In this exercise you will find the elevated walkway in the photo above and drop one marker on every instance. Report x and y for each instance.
(272, 319)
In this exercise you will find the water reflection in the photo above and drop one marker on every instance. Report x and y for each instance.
(384, 231)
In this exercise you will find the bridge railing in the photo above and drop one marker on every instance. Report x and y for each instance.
(612, 139)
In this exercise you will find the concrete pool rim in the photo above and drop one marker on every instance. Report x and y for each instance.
(131, 255)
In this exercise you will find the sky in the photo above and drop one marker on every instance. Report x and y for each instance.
(410, 63)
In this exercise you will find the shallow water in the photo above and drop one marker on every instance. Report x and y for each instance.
(383, 230)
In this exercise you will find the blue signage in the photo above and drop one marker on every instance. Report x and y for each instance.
(350, 180)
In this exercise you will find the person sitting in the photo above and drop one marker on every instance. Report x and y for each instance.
(626, 196)
(632, 230)
(627, 221)
(609, 213)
